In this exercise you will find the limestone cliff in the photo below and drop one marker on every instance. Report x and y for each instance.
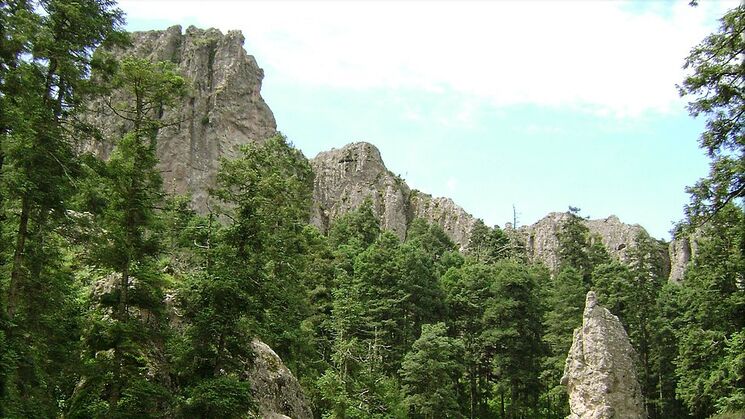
(223, 110)
(599, 373)
(345, 177)
(617, 237)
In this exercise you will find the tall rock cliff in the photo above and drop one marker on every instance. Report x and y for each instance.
(223, 110)
(345, 177)
(617, 237)
(599, 373)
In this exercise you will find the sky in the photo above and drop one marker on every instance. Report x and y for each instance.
(532, 105)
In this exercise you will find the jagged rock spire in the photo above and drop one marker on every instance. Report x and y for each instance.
(599, 373)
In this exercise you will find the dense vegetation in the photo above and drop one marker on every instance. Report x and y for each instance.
(119, 301)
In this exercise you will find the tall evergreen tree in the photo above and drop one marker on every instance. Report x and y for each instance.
(44, 78)
(512, 341)
(713, 299)
(129, 321)
(716, 92)
(430, 372)
(564, 298)
(252, 285)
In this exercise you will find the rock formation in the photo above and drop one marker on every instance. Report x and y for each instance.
(276, 391)
(345, 177)
(617, 237)
(223, 110)
(682, 251)
(599, 373)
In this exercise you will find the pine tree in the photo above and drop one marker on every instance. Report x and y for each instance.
(512, 340)
(467, 290)
(44, 80)
(716, 92)
(430, 371)
(252, 284)
(564, 300)
(713, 299)
(121, 379)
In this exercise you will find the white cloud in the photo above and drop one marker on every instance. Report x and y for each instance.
(594, 56)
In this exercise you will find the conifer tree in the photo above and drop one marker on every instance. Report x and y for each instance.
(120, 379)
(44, 80)
(430, 371)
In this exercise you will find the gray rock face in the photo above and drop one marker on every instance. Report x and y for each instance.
(345, 177)
(617, 237)
(599, 373)
(683, 250)
(276, 391)
(223, 110)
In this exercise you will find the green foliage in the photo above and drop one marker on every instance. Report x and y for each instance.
(574, 245)
(564, 297)
(44, 70)
(512, 341)
(223, 397)
(429, 373)
(715, 87)
(488, 245)
(127, 319)
(713, 302)
(358, 228)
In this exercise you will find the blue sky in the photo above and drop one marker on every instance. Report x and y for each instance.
(540, 104)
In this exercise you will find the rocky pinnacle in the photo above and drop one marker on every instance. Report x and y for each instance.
(599, 372)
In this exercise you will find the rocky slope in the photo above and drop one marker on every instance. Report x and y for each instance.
(223, 110)
(345, 177)
(599, 372)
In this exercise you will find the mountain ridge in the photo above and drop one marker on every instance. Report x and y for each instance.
(225, 110)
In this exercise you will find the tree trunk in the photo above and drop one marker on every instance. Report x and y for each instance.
(18, 257)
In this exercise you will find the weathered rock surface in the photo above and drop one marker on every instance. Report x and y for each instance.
(223, 110)
(345, 177)
(617, 237)
(276, 391)
(682, 251)
(599, 373)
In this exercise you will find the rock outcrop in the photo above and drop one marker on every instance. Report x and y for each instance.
(683, 250)
(276, 391)
(599, 373)
(223, 110)
(345, 177)
(617, 237)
